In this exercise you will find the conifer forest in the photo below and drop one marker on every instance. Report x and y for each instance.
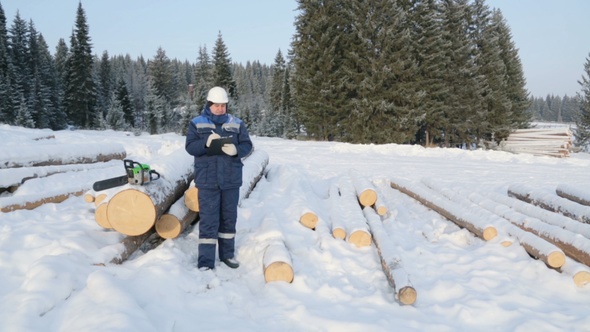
(429, 72)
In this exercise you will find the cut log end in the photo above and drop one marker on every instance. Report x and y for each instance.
(368, 197)
(131, 212)
(489, 233)
(506, 243)
(582, 278)
(556, 259)
(381, 210)
(360, 239)
(309, 220)
(191, 199)
(278, 271)
(407, 295)
(168, 226)
(100, 215)
(339, 233)
(88, 198)
(99, 199)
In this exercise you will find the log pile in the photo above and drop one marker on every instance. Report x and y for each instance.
(578, 194)
(555, 142)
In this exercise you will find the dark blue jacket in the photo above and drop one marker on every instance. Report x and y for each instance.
(217, 171)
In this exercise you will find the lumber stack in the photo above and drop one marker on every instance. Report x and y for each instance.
(555, 142)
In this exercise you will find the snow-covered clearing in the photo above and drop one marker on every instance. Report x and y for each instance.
(51, 279)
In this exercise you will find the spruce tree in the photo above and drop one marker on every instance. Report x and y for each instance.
(6, 105)
(203, 78)
(80, 96)
(582, 132)
(105, 84)
(222, 75)
(19, 68)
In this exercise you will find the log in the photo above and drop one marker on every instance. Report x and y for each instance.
(367, 196)
(390, 263)
(191, 197)
(100, 216)
(172, 223)
(356, 226)
(253, 170)
(447, 209)
(546, 216)
(30, 202)
(309, 219)
(89, 197)
(277, 264)
(337, 225)
(550, 202)
(573, 193)
(579, 273)
(510, 221)
(380, 207)
(130, 244)
(60, 154)
(134, 209)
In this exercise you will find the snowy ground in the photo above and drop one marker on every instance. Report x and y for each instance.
(50, 280)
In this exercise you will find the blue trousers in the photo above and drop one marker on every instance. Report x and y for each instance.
(218, 214)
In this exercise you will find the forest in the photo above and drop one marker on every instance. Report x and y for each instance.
(429, 72)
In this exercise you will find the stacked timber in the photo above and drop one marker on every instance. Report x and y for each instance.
(577, 193)
(555, 142)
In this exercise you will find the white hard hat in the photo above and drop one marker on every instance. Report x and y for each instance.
(217, 95)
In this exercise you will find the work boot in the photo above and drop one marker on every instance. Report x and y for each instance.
(231, 262)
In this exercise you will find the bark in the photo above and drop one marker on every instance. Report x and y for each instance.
(54, 155)
(573, 194)
(31, 202)
(447, 209)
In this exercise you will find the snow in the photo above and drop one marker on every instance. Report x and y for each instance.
(50, 281)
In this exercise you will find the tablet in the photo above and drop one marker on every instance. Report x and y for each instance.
(216, 144)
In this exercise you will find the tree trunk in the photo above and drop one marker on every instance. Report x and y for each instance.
(253, 170)
(191, 198)
(367, 196)
(309, 219)
(172, 223)
(447, 209)
(356, 226)
(130, 245)
(390, 263)
(336, 218)
(30, 202)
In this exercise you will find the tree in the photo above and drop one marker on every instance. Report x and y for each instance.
(203, 77)
(6, 105)
(80, 96)
(222, 75)
(582, 133)
(105, 84)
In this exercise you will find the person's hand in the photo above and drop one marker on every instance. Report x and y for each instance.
(211, 138)
(229, 149)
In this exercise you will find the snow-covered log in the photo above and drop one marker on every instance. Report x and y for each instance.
(365, 191)
(252, 172)
(550, 201)
(276, 260)
(446, 208)
(60, 154)
(175, 220)
(277, 263)
(546, 216)
(134, 209)
(14, 177)
(130, 244)
(33, 201)
(574, 193)
(336, 218)
(357, 231)
(580, 273)
(527, 233)
(390, 262)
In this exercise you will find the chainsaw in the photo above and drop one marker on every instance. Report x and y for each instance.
(136, 174)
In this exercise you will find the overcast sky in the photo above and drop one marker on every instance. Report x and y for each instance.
(553, 36)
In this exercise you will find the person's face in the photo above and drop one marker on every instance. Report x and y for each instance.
(218, 109)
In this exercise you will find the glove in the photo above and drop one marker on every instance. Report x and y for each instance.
(229, 149)
(211, 138)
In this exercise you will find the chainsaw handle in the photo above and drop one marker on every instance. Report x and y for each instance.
(152, 172)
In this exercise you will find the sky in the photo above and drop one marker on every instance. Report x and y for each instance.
(55, 259)
(552, 36)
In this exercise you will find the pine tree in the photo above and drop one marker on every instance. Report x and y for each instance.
(23, 115)
(19, 69)
(105, 84)
(80, 96)
(6, 105)
(124, 103)
(582, 132)
(203, 77)
(160, 73)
